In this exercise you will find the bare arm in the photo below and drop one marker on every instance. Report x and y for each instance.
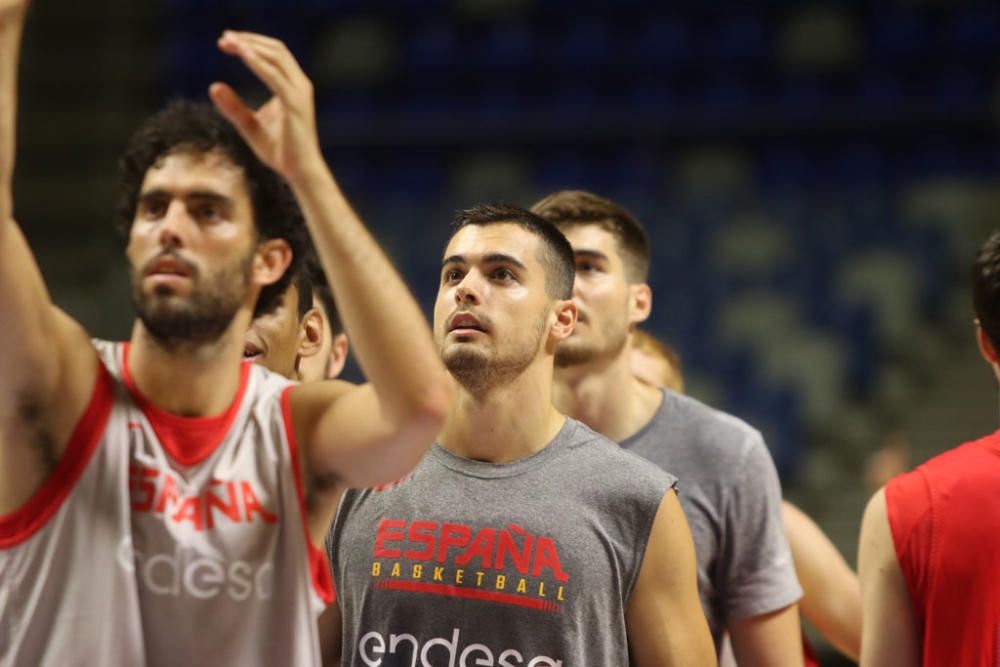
(666, 624)
(889, 637)
(331, 636)
(831, 597)
(774, 638)
(365, 435)
(48, 365)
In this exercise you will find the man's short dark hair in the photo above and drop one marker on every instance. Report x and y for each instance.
(188, 126)
(304, 286)
(568, 208)
(321, 289)
(555, 252)
(986, 288)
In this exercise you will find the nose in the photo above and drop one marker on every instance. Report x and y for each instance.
(173, 229)
(466, 292)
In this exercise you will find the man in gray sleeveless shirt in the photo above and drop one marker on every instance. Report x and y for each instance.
(523, 538)
(151, 505)
(730, 490)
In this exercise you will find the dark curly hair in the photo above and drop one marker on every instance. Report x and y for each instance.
(189, 126)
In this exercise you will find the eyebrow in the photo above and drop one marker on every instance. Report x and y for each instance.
(492, 258)
(208, 195)
(591, 254)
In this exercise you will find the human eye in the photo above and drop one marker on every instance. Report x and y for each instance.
(451, 275)
(503, 274)
(208, 212)
(153, 209)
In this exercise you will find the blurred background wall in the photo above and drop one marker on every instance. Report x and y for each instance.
(815, 176)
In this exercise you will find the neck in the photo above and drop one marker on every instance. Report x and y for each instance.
(189, 379)
(606, 396)
(504, 423)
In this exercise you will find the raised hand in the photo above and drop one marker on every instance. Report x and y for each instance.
(283, 131)
(12, 9)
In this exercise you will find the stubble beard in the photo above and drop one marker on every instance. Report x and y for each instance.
(203, 317)
(479, 372)
(574, 352)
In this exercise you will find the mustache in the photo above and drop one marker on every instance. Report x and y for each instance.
(171, 253)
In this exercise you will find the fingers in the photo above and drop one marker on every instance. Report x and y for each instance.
(236, 112)
(269, 59)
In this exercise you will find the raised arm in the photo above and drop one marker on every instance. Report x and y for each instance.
(375, 433)
(665, 621)
(888, 637)
(47, 366)
(831, 595)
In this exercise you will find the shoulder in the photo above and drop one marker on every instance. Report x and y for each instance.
(972, 459)
(685, 429)
(617, 468)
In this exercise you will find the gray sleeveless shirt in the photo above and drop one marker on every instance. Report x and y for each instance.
(163, 540)
(467, 563)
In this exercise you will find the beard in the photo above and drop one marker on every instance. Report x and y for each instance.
(200, 318)
(479, 372)
(577, 350)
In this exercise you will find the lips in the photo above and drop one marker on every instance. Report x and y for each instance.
(251, 351)
(169, 265)
(465, 321)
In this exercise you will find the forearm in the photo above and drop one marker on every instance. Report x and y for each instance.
(772, 639)
(388, 333)
(11, 28)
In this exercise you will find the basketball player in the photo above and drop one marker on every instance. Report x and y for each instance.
(151, 510)
(523, 537)
(332, 356)
(730, 493)
(655, 362)
(831, 597)
(301, 338)
(929, 544)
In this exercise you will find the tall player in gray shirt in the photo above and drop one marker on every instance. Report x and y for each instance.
(729, 488)
(523, 538)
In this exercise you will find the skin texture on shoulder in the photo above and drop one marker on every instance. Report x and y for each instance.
(889, 637)
(665, 597)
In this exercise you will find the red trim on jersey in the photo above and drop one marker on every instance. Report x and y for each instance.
(25, 521)
(811, 660)
(188, 440)
(319, 567)
(469, 593)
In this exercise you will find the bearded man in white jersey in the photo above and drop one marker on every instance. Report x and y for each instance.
(730, 494)
(523, 537)
(151, 504)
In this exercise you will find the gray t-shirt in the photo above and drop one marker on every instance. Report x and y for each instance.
(471, 563)
(732, 499)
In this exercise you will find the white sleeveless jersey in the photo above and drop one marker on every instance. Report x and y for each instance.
(164, 540)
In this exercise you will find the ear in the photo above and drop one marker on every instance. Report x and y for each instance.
(311, 334)
(338, 356)
(271, 260)
(640, 303)
(565, 320)
(985, 346)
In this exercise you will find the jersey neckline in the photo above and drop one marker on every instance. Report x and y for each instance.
(188, 440)
(487, 470)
